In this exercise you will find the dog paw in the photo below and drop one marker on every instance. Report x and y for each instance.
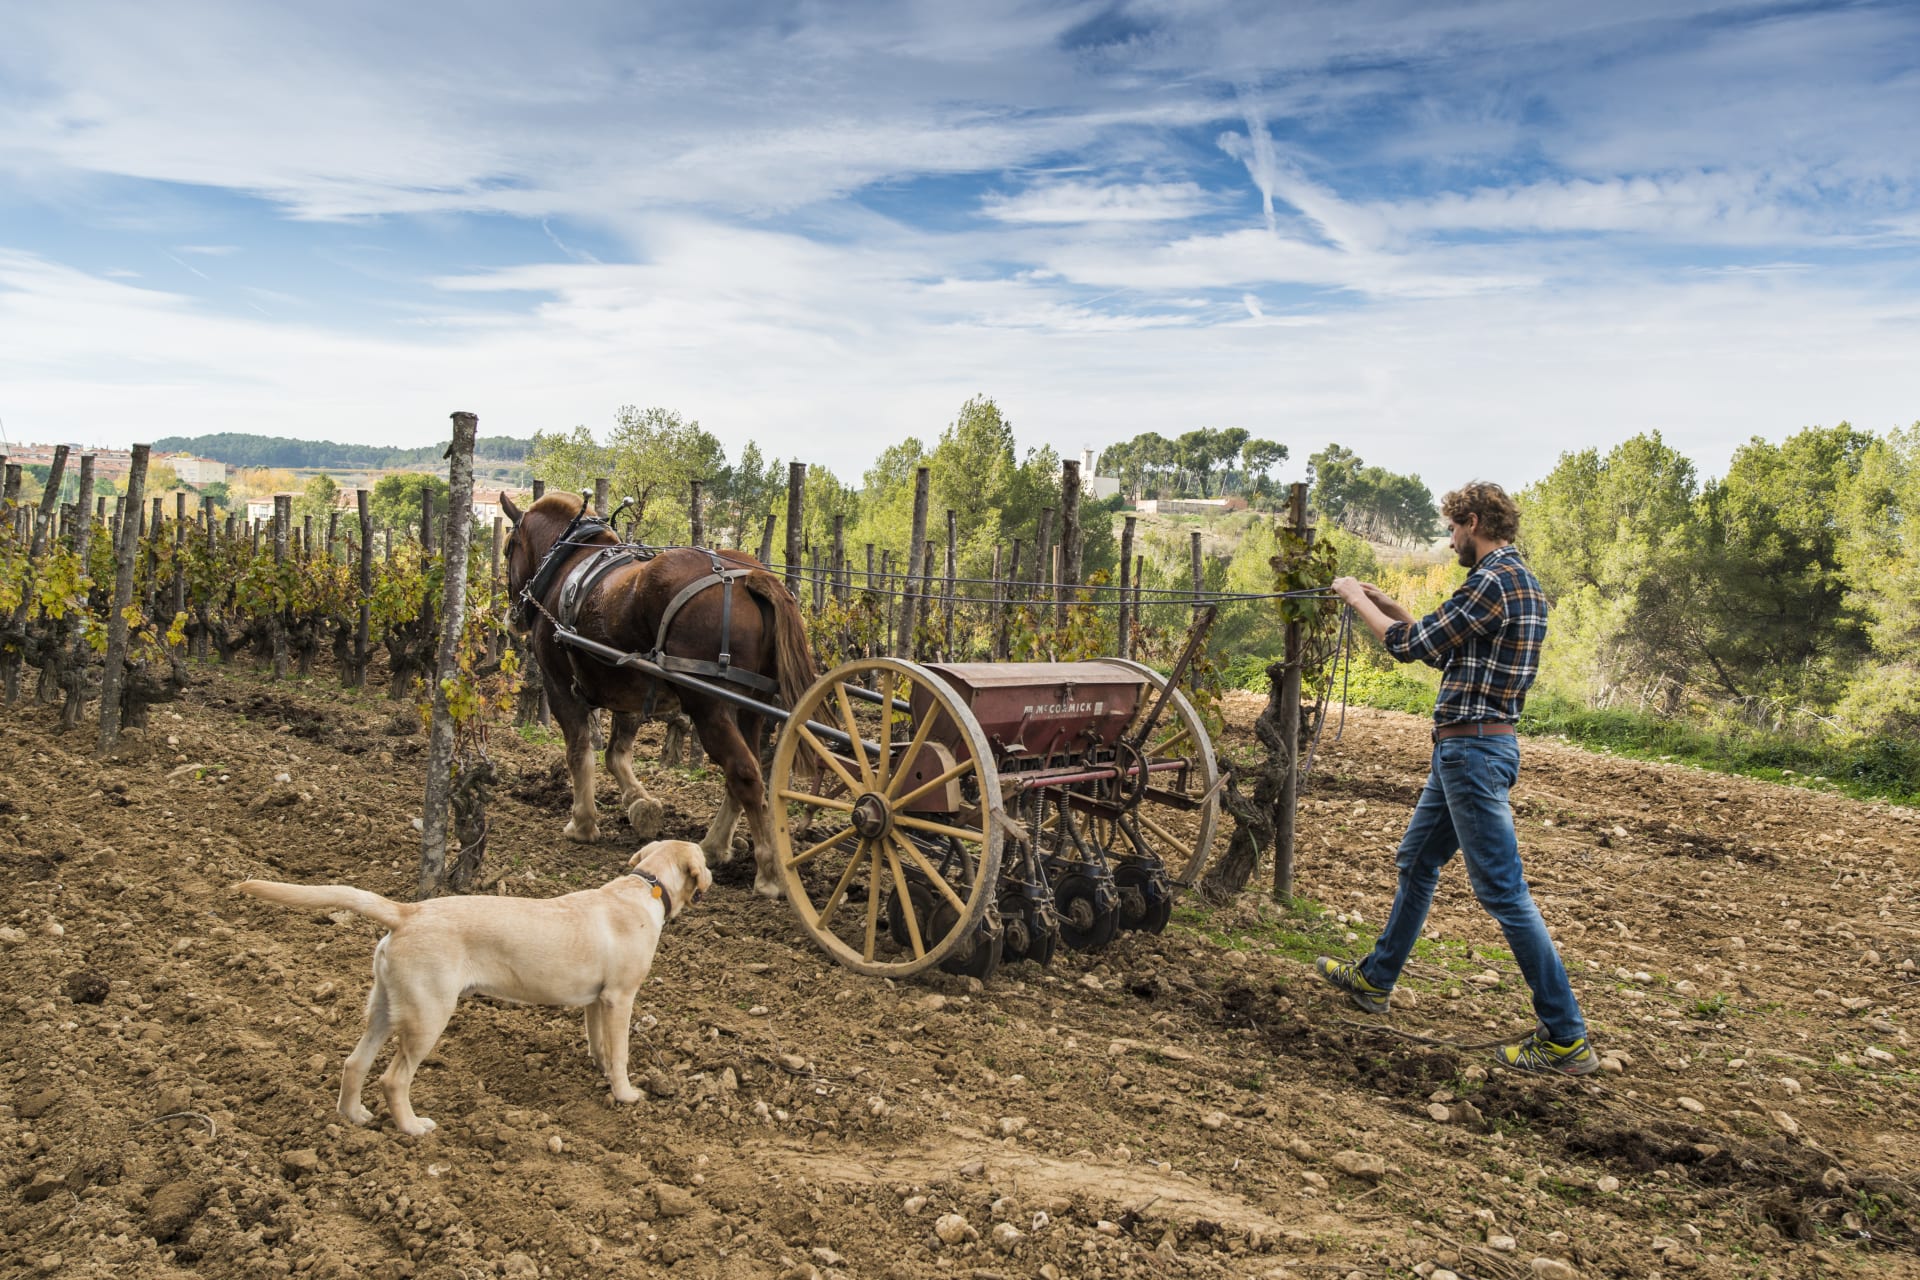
(420, 1127)
(647, 816)
(357, 1115)
(625, 1093)
(585, 835)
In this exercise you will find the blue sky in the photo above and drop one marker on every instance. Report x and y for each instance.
(1456, 237)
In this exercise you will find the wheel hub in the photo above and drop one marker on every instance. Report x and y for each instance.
(872, 818)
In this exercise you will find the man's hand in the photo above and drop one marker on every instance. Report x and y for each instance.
(1352, 590)
(1375, 607)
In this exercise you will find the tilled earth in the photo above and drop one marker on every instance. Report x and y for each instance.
(1192, 1103)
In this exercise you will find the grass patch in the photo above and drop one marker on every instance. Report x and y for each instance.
(1873, 769)
(1708, 1008)
(1299, 932)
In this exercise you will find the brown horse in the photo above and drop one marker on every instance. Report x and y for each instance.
(742, 621)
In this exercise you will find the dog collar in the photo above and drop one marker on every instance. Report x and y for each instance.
(659, 890)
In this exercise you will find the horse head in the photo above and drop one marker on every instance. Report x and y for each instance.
(535, 531)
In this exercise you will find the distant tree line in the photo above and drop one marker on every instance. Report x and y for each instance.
(1203, 463)
(239, 449)
(1372, 502)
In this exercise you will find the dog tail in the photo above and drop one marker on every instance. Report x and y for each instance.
(331, 897)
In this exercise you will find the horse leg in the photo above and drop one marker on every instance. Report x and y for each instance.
(745, 790)
(717, 844)
(572, 714)
(646, 814)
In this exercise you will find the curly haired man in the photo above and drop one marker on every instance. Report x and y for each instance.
(1486, 638)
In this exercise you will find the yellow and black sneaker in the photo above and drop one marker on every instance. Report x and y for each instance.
(1365, 996)
(1537, 1053)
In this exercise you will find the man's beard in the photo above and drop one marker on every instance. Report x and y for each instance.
(1466, 557)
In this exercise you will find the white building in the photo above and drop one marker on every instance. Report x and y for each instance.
(1099, 488)
(196, 471)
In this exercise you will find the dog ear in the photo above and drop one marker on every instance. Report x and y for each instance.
(640, 853)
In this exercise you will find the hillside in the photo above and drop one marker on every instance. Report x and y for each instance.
(242, 450)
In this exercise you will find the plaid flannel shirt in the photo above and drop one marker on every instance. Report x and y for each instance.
(1486, 637)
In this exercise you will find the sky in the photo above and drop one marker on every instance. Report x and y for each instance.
(1458, 238)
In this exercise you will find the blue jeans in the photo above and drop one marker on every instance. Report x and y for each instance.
(1464, 806)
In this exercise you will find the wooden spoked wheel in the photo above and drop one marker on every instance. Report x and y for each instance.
(1177, 824)
(889, 848)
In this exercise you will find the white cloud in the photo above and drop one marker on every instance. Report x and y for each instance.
(1438, 251)
(1073, 202)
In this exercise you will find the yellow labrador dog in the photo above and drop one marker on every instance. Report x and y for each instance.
(591, 948)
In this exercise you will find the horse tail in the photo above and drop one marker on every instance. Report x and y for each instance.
(322, 897)
(793, 654)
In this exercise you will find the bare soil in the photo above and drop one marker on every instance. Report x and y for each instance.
(1191, 1103)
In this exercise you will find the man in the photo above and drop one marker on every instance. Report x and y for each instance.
(1486, 638)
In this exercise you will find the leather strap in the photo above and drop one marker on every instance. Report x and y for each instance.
(724, 668)
(581, 582)
(1482, 729)
(659, 891)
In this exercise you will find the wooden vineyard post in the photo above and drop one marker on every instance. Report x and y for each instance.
(926, 588)
(277, 623)
(996, 613)
(946, 601)
(75, 674)
(697, 529)
(113, 680)
(1069, 577)
(1139, 580)
(887, 600)
(179, 551)
(36, 538)
(1126, 588)
(1199, 569)
(916, 552)
(363, 625)
(453, 616)
(1043, 556)
(333, 533)
(1284, 809)
(496, 643)
(601, 487)
(203, 639)
(796, 496)
(766, 542)
(842, 578)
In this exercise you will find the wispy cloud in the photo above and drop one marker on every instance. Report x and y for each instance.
(1073, 202)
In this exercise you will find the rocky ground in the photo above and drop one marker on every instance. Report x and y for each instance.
(1192, 1103)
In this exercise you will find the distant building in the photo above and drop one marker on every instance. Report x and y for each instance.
(196, 471)
(1099, 488)
(262, 508)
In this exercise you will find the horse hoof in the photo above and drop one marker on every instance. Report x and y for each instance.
(647, 817)
(768, 888)
(717, 857)
(586, 836)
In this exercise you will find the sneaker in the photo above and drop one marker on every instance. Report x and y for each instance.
(1537, 1053)
(1347, 977)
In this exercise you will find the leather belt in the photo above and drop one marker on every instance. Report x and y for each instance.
(1481, 729)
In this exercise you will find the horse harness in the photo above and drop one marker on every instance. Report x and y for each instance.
(581, 581)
